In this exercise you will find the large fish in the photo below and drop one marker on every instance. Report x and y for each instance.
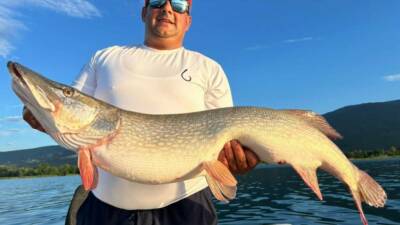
(157, 149)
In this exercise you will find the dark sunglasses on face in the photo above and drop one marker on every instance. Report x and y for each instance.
(179, 6)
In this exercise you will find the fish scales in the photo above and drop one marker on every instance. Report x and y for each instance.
(162, 132)
(196, 140)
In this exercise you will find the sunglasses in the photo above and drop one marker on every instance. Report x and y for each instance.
(179, 6)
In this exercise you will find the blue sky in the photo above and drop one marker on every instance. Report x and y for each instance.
(319, 55)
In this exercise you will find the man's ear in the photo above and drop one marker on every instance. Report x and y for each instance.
(188, 22)
(144, 13)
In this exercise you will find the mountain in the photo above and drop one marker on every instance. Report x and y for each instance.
(366, 127)
(53, 155)
(370, 126)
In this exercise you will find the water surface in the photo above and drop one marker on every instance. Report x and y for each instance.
(278, 195)
(267, 195)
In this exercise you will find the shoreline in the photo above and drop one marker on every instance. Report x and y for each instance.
(38, 176)
(264, 165)
(383, 157)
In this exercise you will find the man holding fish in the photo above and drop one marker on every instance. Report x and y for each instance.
(159, 77)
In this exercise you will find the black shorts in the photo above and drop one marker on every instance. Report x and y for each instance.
(86, 209)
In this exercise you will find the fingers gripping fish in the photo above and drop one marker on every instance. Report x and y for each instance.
(129, 144)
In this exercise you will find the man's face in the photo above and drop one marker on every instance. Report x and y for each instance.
(165, 23)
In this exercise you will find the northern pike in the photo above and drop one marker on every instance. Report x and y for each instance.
(157, 149)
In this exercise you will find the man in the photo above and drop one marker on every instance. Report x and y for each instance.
(158, 77)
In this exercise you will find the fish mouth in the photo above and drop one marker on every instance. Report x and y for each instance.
(18, 83)
(16, 74)
(29, 87)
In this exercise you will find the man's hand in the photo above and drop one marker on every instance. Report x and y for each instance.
(31, 120)
(238, 158)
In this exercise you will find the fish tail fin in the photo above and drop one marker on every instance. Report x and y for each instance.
(317, 121)
(220, 180)
(309, 176)
(357, 199)
(371, 192)
(87, 170)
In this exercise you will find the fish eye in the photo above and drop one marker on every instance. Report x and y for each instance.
(68, 92)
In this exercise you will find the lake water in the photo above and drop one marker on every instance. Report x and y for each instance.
(267, 195)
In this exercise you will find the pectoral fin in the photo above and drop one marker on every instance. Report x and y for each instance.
(309, 176)
(87, 170)
(220, 180)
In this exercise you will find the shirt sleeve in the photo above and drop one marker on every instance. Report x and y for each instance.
(86, 80)
(218, 93)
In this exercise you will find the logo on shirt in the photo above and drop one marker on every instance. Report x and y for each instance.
(186, 77)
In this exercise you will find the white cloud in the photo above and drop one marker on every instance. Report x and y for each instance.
(288, 41)
(394, 77)
(11, 119)
(74, 8)
(5, 47)
(11, 24)
(291, 41)
(9, 28)
(9, 132)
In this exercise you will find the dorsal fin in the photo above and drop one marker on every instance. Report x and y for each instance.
(316, 121)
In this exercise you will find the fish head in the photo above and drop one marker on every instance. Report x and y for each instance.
(58, 108)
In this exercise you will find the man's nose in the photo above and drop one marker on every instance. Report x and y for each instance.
(167, 7)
